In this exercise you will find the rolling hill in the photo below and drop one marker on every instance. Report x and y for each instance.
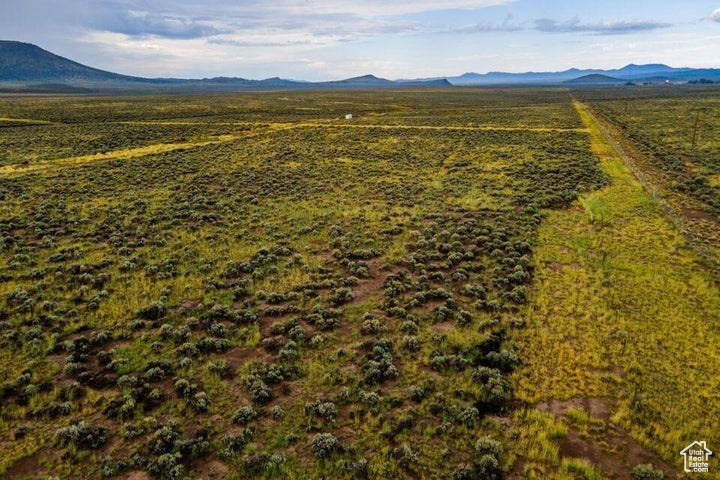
(595, 79)
(24, 66)
(24, 62)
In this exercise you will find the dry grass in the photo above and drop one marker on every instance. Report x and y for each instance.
(622, 308)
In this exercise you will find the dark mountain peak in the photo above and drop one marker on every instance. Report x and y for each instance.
(364, 80)
(633, 68)
(369, 76)
(26, 62)
(224, 80)
(6, 45)
(595, 79)
(441, 82)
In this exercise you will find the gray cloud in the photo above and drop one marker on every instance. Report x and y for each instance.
(612, 27)
(142, 23)
(361, 28)
(508, 25)
(244, 43)
(252, 22)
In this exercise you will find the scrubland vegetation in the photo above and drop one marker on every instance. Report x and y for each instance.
(672, 138)
(462, 284)
(679, 134)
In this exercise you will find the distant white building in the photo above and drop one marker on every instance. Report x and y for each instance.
(348, 116)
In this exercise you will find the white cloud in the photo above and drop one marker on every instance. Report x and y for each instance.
(366, 8)
(715, 16)
(276, 24)
(172, 57)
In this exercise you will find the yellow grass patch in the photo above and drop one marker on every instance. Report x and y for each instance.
(623, 309)
(122, 154)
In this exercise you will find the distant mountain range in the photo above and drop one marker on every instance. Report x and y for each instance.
(28, 68)
(650, 73)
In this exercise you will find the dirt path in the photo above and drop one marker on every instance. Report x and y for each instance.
(687, 214)
(123, 154)
(350, 124)
(46, 166)
(24, 121)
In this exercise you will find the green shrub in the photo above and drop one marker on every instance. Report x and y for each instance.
(323, 445)
(82, 435)
(647, 472)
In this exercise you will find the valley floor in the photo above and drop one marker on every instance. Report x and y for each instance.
(472, 284)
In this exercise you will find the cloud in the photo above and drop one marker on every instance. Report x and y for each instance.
(258, 43)
(715, 16)
(610, 27)
(508, 25)
(271, 24)
(365, 8)
(136, 23)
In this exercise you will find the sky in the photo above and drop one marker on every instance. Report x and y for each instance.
(333, 39)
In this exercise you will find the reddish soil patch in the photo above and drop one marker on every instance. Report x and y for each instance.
(239, 356)
(373, 286)
(166, 386)
(518, 469)
(367, 288)
(443, 327)
(123, 342)
(213, 469)
(611, 448)
(266, 324)
(555, 266)
(616, 453)
(696, 214)
(136, 475)
(56, 358)
(559, 267)
(345, 334)
(29, 466)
